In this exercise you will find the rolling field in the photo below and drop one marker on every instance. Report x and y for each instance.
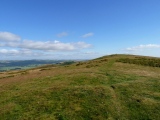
(106, 88)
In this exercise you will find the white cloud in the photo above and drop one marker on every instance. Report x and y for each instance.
(49, 45)
(7, 36)
(56, 41)
(146, 50)
(142, 47)
(34, 54)
(20, 53)
(88, 35)
(62, 34)
(39, 45)
(6, 51)
(81, 45)
(13, 47)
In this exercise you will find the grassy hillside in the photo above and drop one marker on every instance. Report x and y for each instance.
(106, 88)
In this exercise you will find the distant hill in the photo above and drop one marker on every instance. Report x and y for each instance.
(25, 64)
(124, 87)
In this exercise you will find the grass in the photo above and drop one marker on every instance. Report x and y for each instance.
(105, 90)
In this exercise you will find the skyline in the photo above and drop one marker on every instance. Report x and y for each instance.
(82, 29)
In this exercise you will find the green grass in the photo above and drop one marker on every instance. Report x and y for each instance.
(105, 90)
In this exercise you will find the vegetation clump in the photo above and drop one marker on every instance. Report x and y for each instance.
(153, 62)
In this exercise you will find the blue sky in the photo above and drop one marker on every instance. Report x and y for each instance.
(78, 29)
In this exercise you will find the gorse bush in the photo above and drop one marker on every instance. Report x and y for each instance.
(68, 63)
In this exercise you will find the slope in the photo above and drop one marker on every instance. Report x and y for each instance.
(103, 88)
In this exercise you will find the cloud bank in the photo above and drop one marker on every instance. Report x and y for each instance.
(48, 45)
(142, 47)
(146, 49)
(13, 45)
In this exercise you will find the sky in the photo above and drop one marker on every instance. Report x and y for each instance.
(78, 29)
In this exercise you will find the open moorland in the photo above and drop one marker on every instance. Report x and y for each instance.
(115, 87)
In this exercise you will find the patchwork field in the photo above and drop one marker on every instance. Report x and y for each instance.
(114, 87)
